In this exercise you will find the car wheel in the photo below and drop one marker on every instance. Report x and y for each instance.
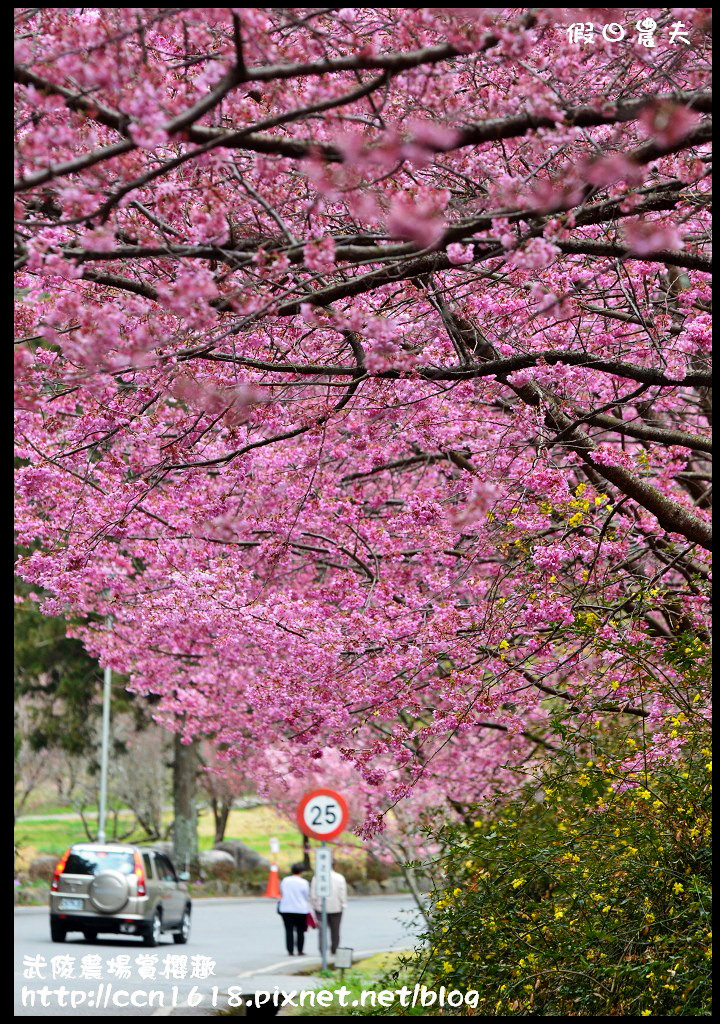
(57, 932)
(152, 938)
(90, 934)
(183, 934)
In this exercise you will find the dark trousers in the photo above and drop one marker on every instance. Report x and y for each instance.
(333, 921)
(295, 925)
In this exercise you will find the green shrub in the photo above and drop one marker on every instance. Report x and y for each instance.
(590, 897)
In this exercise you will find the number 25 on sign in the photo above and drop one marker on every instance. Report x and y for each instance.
(322, 814)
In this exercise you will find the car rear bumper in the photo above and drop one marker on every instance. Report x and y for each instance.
(126, 924)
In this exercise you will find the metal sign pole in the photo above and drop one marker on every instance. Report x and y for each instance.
(323, 815)
(323, 925)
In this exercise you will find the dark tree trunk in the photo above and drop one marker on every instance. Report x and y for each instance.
(185, 838)
(221, 812)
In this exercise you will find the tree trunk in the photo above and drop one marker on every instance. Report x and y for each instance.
(221, 812)
(185, 838)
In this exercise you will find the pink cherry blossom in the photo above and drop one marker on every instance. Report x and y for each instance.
(362, 378)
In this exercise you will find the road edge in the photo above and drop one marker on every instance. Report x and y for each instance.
(288, 967)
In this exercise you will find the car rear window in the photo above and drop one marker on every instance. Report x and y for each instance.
(92, 862)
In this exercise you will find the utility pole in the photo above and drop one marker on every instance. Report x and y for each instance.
(104, 749)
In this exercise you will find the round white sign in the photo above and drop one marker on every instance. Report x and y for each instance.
(322, 814)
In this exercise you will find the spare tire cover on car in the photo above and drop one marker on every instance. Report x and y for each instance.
(109, 891)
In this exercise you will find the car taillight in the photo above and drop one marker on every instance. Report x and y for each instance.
(139, 874)
(59, 868)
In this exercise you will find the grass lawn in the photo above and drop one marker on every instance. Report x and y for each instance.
(364, 976)
(362, 980)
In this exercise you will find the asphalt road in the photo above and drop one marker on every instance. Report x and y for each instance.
(233, 937)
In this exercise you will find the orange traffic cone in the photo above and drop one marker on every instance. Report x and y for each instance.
(272, 890)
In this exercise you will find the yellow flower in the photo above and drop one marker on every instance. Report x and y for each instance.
(575, 520)
(504, 645)
(457, 892)
(580, 490)
(517, 882)
(448, 967)
(678, 888)
(583, 780)
(645, 1013)
(615, 684)
(559, 914)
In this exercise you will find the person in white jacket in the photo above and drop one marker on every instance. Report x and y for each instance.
(336, 903)
(294, 907)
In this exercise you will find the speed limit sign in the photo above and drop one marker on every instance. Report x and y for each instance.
(322, 814)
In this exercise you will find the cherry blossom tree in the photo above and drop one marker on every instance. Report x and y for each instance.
(363, 373)
(222, 786)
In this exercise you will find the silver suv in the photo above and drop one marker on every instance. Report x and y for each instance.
(113, 887)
